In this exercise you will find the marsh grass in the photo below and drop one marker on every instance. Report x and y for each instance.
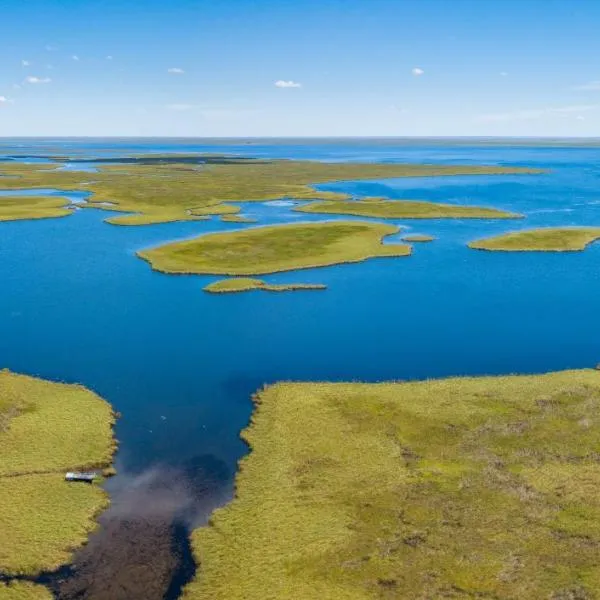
(549, 239)
(24, 591)
(179, 191)
(46, 429)
(237, 219)
(246, 284)
(404, 209)
(459, 488)
(18, 208)
(277, 248)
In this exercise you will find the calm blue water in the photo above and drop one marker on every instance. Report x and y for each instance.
(180, 364)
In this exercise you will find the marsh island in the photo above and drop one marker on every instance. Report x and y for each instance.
(548, 239)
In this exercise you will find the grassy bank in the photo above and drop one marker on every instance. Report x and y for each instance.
(418, 237)
(272, 249)
(179, 191)
(24, 591)
(459, 488)
(404, 209)
(46, 429)
(246, 284)
(550, 239)
(19, 208)
(237, 219)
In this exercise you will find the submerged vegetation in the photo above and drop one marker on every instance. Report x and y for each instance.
(46, 429)
(459, 488)
(175, 190)
(404, 209)
(549, 239)
(18, 208)
(261, 250)
(246, 284)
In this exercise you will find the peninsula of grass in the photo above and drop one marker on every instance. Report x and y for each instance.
(418, 237)
(19, 208)
(482, 487)
(549, 239)
(261, 250)
(47, 429)
(246, 284)
(159, 191)
(24, 591)
(404, 209)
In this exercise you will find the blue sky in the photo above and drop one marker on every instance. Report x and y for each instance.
(300, 67)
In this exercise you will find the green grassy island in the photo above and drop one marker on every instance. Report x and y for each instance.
(548, 239)
(481, 487)
(237, 219)
(19, 208)
(261, 250)
(164, 189)
(47, 429)
(418, 237)
(245, 284)
(404, 209)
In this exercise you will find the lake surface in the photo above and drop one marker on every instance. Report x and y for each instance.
(180, 365)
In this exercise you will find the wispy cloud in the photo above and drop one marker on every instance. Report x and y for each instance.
(535, 113)
(75, 57)
(3, 99)
(51, 48)
(417, 71)
(180, 107)
(591, 86)
(503, 73)
(282, 83)
(32, 79)
(25, 63)
(175, 71)
(109, 57)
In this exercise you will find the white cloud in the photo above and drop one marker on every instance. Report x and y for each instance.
(75, 57)
(109, 57)
(535, 113)
(417, 71)
(281, 83)
(175, 71)
(3, 99)
(592, 86)
(31, 79)
(180, 107)
(503, 73)
(580, 118)
(25, 63)
(50, 48)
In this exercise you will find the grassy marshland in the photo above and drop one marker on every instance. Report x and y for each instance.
(263, 250)
(24, 591)
(418, 237)
(46, 429)
(550, 239)
(246, 284)
(458, 488)
(179, 191)
(404, 209)
(17, 208)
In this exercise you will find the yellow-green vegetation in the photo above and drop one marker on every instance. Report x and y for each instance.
(481, 487)
(46, 429)
(18, 208)
(263, 250)
(418, 237)
(404, 209)
(174, 191)
(246, 284)
(549, 239)
(24, 591)
(237, 219)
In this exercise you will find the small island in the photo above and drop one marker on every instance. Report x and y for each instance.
(246, 284)
(418, 237)
(487, 485)
(21, 208)
(47, 429)
(548, 239)
(237, 219)
(404, 209)
(261, 250)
